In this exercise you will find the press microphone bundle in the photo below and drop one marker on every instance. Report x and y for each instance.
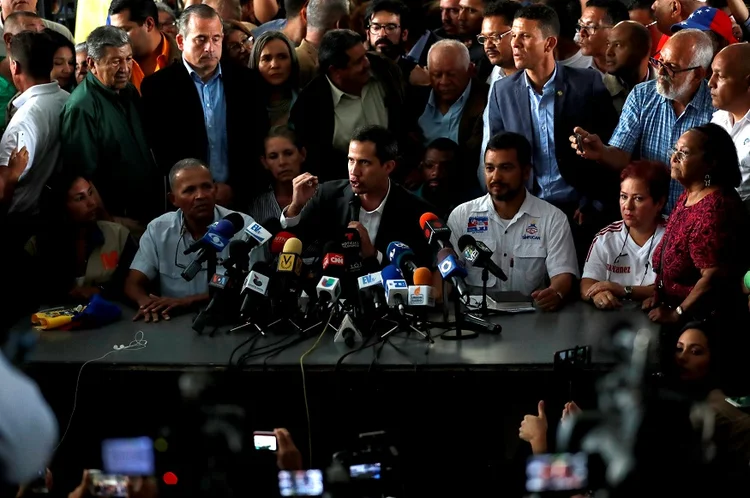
(397, 298)
(215, 240)
(401, 256)
(479, 255)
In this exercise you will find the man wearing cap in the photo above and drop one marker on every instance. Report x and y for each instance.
(730, 93)
(714, 22)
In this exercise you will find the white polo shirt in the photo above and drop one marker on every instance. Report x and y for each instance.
(535, 244)
(740, 133)
(615, 257)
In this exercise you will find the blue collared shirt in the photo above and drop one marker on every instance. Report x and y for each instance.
(434, 124)
(648, 126)
(214, 106)
(551, 186)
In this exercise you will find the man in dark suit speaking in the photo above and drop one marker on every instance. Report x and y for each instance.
(370, 202)
(543, 101)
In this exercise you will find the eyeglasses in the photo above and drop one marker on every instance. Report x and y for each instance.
(590, 29)
(494, 37)
(679, 155)
(671, 72)
(376, 28)
(246, 43)
(177, 249)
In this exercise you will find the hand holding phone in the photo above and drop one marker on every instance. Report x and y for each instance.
(265, 441)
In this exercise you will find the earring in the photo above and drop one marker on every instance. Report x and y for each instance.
(707, 180)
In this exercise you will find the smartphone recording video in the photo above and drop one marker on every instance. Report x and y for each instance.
(301, 483)
(561, 472)
(265, 441)
(128, 457)
(108, 485)
(365, 471)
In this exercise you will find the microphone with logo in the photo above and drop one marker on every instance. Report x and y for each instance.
(396, 289)
(452, 270)
(351, 245)
(435, 230)
(420, 294)
(288, 270)
(332, 267)
(215, 240)
(256, 234)
(277, 245)
(371, 290)
(255, 293)
(402, 257)
(479, 255)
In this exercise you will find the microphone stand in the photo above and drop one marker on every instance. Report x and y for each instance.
(485, 277)
(407, 322)
(467, 321)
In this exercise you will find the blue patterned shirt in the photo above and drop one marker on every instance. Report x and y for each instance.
(648, 126)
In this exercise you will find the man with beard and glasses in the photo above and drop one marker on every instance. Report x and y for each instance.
(530, 238)
(657, 113)
(387, 28)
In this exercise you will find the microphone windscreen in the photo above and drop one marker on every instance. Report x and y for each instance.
(351, 240)
(444, 253)
(277, 245)
(425, 218)
(293, 245)
(238, 249)
(237, 221)
(466, 240)
(422, 276)
(390, 272)
(272, 225)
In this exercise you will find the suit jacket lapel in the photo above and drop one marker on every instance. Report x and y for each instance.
(523, 110)
(561, 92)
(343, 207)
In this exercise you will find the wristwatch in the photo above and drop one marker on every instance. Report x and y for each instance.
(628, 292)
(678, 310)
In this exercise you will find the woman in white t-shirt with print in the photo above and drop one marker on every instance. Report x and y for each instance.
(619, 263)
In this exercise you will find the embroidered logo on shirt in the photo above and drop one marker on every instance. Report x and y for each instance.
(531, 231)
(477, 224)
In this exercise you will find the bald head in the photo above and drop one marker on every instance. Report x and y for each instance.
(730, 81)
(450, 69)
(449, 49)
(628, 46)
(18, 22)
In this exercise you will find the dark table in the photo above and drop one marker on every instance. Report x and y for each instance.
(527, 341)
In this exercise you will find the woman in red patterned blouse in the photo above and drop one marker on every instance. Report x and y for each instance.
(700, 258)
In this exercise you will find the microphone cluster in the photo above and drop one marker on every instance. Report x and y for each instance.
(334, 287)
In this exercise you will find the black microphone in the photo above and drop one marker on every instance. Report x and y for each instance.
(354, 206)
(478, 254)
(402, 257)
(215, 240)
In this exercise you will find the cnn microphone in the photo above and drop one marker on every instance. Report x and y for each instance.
(451, 270)
(372, 286)
(435, 230)
(215, 240)
(402, 257)
(479, 255)
(256, 284)
(396, 289)
(420, 294)
(333, 260)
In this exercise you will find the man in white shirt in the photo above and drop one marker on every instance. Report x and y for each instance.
(730, 93)
(495, 36)
(379, 209)
(35, 125)
(530, 238)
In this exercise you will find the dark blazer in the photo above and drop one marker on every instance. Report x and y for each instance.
(247, 122)
(581, 99)
(469, 128)
(313, 118)
(326, 217)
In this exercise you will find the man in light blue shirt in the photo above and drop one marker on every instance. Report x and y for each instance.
(448, 64)
(161, 253)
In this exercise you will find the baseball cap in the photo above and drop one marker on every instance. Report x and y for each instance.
(708, 19)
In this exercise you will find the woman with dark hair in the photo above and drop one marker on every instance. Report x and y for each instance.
(77, 255)
(283, 159)
(63, 62)
(275, 59)
(237, 43)
(701, 257)
(619, 262)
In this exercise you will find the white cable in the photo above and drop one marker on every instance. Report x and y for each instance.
(136, 344)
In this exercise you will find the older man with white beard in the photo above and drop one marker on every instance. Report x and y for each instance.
(657, 112)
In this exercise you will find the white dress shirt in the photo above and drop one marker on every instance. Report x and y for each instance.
(497, 74)
(740, 133)
(536, 243)
(578, 60)
(352, 111)
(38, 118)
(369, 219)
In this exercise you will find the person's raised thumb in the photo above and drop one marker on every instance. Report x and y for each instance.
(540, 407)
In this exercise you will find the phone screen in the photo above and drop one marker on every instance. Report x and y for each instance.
(740, 401)
(111, 486)
(265, 441)
(21, 140)
(301, 483)
(130, 457)
(561, 472)
(365, 471)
